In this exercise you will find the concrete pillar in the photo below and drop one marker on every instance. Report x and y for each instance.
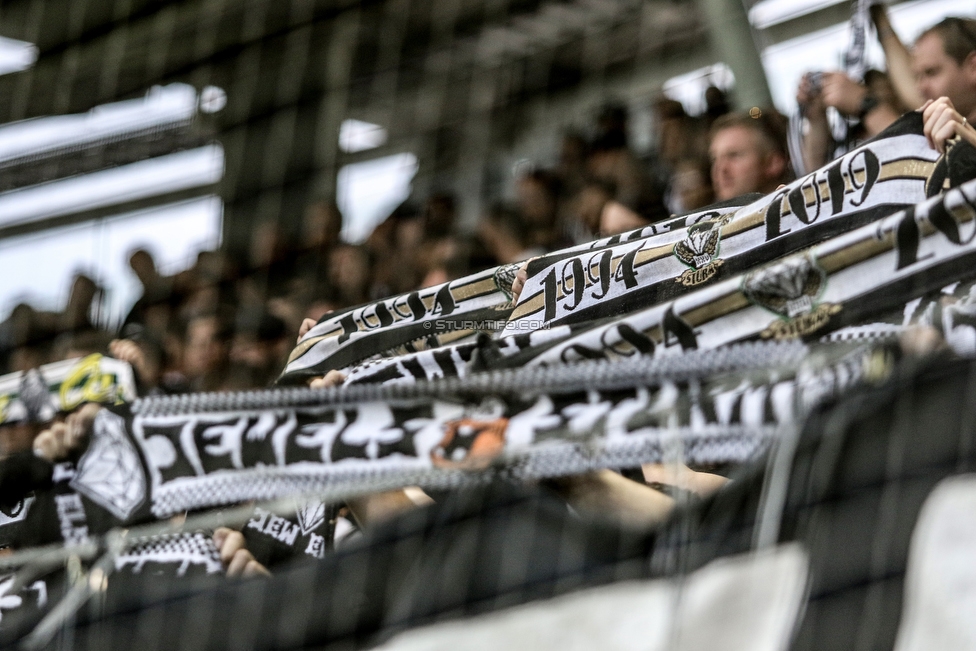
(338, 61)
(734, 42)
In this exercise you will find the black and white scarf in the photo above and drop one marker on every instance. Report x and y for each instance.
(208, 450)
(896, 170)
(36, 396)
(626, 272)
(843, 281)
(421, 320)
(413, 324)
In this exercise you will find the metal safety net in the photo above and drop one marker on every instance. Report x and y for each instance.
(739, 423)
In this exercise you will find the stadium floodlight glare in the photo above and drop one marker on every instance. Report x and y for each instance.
(368, 191)
(162, 105)
(689, 88)
(16, 55)
(356, 135)
(148, 178)
(767, 13)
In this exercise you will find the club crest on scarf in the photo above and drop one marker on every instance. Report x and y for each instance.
(699, 250)
(35, 397)
(790, 290)
(310, 516)
(91, 380)
(110, 472)
(504, 276)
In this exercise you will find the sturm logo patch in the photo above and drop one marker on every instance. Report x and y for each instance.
(310, 516)
(110, 472)
(791, 289)
(699, 251)
(34, 394)
(504, 276)
(88, 381)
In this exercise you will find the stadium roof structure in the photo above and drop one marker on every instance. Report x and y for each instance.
(455, 82)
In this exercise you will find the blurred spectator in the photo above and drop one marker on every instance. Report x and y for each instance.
(440, 213)
(617, 218)
(392, 245)
(451, 267)
(611, 127)
(144, 267)
(322, 225)
(748, 154)
(259, 347)
(151, 311)
(716, 105)
(201, 288)
(612, 162)
(271, 263)
(571, 169)
(682, 140)
(874, 103)
(506, 236)
(77, 313)
(321, 228)
(28, 338)
(679, 136)
(879, 84)
(944, 59)
(691, 185)
(589, 202)
(439, 252)
(349, 273)
(206, 347)
(537, 199)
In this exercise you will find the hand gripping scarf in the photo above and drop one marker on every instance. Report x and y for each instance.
(895, 170)
(855, 65)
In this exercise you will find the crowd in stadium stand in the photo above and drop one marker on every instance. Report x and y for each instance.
(229, 322)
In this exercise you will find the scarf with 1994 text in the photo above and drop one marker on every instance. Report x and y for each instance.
(452, 313)
(844, 281)
(895, 170)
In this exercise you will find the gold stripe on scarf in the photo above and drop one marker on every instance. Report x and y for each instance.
(303, 347)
